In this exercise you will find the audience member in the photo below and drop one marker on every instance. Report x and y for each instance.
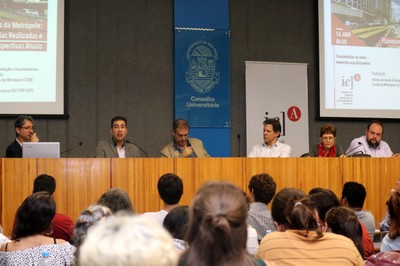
(299, 240)
(252, 237)
(25, 132)
(182, 145)
(116, 200)
(118, 146)
(271, 147)
(353, 196)
(128, 241)
(63, 226)
(176, 223)
(371, 143)
(343, 221)
(392, 239)
(92, 215)
(262, 189)
(327, 146)
(30, 235)
(3, 238)
(324, 200)
(385, 223)
(170, 189)
(217, 228)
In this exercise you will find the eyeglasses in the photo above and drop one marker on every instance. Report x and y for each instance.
(29, 128)
(328, 139)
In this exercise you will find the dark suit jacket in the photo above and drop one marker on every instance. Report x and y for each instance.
(107, 149)
(14, 150)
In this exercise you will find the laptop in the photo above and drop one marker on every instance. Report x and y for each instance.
(41, 150)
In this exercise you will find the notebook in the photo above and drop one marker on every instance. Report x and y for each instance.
(41, 150)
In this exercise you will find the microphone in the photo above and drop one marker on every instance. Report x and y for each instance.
(238, 136)
(359, 145)
(67, 150)
(130, 142)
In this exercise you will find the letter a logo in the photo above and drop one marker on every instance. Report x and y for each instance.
(294, 113)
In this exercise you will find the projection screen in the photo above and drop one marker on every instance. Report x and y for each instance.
(32, 57)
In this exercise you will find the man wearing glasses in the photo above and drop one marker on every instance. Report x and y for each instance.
(327, 146)
(25, 132)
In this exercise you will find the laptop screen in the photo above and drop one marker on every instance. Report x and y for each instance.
(41, 150)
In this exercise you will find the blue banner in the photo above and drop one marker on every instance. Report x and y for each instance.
(202, 77)
(213, 14)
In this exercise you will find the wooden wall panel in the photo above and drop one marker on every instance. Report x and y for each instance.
(80, 182)
(86, 180)
(378, 175)
(302, 173)
(17, 184)
(139, 177)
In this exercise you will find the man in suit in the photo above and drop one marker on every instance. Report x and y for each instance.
(182, 145)
(25, 132)
(117, 146)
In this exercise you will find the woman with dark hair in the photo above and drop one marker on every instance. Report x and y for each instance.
(391, 241)
(327, 146)
(343, 221)
(29, 235)
(217, 232)
(299, 240)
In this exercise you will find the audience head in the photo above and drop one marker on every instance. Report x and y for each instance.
(119, 128)
(353, 195)
(87, 219)
(343, 221)
(128, 240)
(34, 216)
(324, 200)
(44, 183)
(217, 231)
(176, 221)
(374, 133)
(393, 205)
(24, 128)
(170, 188)
(327, 135)
(180, 132)
(262, 187)
(116, 200)
(292, 209)
(272, 130)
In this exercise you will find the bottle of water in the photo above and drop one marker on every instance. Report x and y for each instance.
(45, 260)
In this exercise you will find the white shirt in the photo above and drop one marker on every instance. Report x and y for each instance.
(383, 150)
(277, 150)
(121, 152)
(156, 216)
(252, 240)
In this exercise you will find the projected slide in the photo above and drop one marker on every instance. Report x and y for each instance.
(31, 57)
(359, 58)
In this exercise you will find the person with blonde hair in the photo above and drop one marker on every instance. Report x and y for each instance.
(127, 240)
(217, 233)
